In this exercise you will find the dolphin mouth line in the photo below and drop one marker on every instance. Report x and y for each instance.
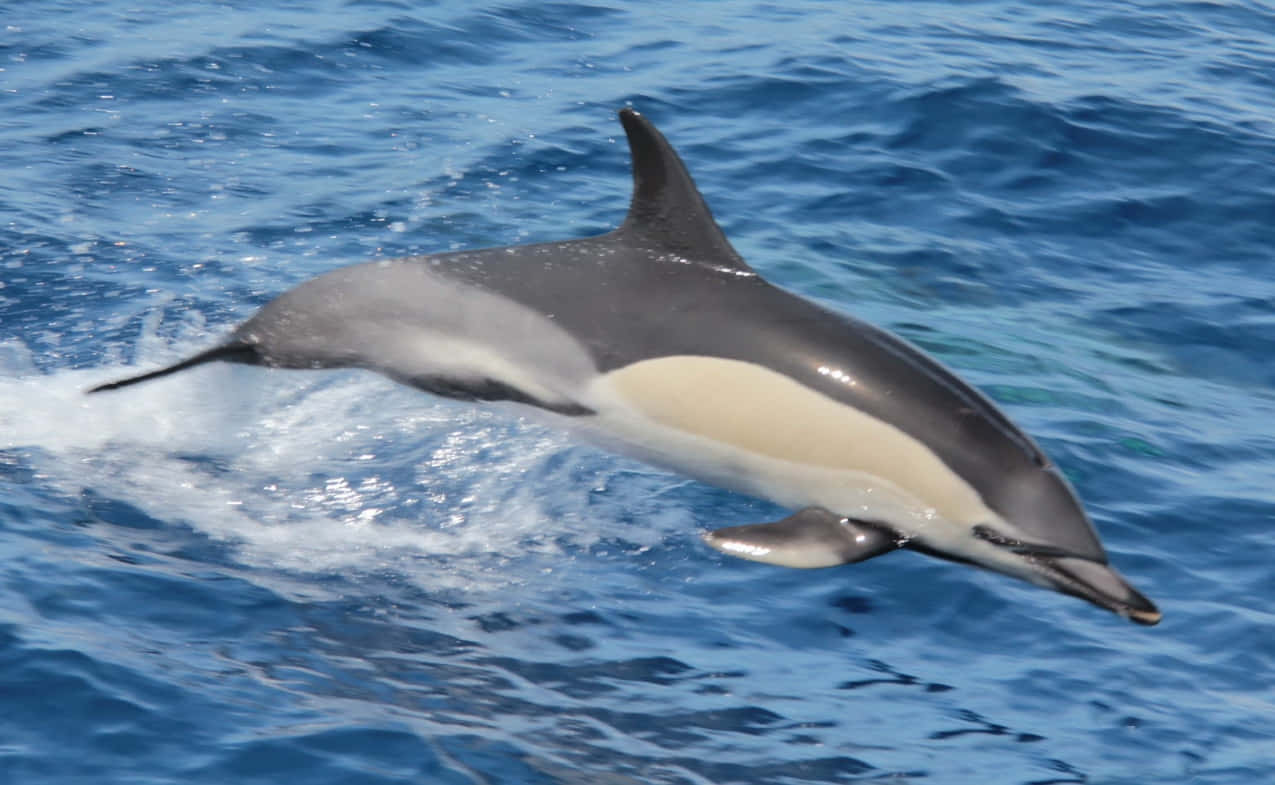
(1021, 547)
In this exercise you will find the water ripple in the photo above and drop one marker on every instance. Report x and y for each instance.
(241, 575)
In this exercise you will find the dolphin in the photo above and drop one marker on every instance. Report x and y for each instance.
(659, 339)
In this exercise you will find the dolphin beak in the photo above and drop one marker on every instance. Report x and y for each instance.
(1100, 585)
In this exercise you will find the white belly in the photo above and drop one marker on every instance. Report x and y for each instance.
(751, 429)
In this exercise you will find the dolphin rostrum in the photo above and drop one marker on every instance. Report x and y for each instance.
(658, 338)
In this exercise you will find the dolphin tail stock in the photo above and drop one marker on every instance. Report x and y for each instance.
(810, 538)
(228, 352)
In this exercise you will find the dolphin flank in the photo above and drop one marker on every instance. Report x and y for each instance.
(659, 339)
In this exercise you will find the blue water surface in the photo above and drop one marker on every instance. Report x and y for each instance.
(237, 575)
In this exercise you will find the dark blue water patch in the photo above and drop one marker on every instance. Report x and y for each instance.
(1253, 67)
(333, 756)
(31, 511)
(943, 117)
(1246, 21)
(1016, 148)
(883, 674)
(934, 276)
(116, 512)
(101, 185)
(35, 52)
(826, 769)
(146, 597)
(349, 630)
(489, 757)
(1229, 341)
(413, 42)
(537, 170)
(560, 22)
(583, 681)
(322, 217)
(785, 95)
(160, 81)
(1123, 28)
(73, 715)
(914, 191)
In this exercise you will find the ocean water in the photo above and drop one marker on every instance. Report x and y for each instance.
(237, 575)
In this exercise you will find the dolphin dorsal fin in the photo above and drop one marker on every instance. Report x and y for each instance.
(667, 210)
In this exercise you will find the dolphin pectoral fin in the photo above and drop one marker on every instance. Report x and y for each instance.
(813, 537)
(1100, 585)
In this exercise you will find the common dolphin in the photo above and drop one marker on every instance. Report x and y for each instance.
(659, 338)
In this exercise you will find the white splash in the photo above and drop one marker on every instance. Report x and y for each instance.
(318, 472)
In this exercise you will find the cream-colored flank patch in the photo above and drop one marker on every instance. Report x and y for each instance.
(768, 420)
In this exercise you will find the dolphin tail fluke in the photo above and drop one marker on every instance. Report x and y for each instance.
(813, 537)
(230, 352)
